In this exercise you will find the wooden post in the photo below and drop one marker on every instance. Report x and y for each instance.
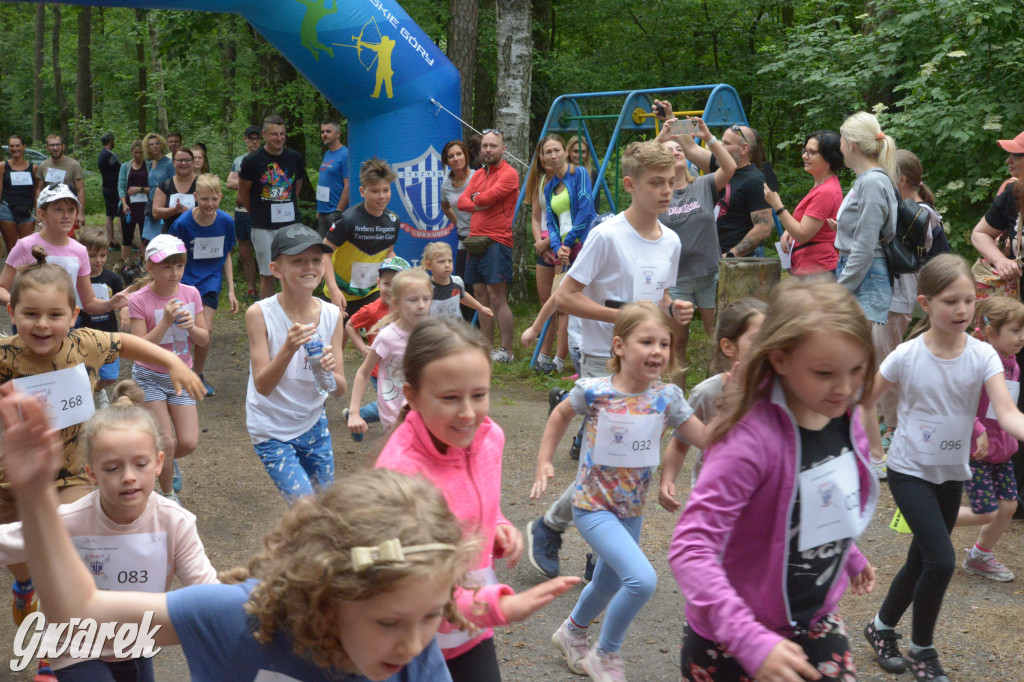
(741, 277)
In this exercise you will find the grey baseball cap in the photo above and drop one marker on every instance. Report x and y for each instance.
(294, 239)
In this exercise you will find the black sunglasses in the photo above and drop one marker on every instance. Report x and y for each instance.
(735, 127)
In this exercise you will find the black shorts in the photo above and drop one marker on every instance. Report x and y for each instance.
(111, 203)
(211, 299)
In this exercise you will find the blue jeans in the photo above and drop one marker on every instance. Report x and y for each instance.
(369, 412)
(874, 293)
(135, 670)
(624, 579)
(301, 465)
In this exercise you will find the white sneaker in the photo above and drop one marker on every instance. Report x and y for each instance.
(604, 667)
(572, 645)
(501, 355)
(101, 398)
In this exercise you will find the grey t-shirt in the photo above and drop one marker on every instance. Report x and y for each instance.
(451, 194)
(691, 215)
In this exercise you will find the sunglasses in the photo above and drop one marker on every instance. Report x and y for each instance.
(495, 131)
(736, 128)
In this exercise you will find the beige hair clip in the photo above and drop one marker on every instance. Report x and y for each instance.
(391, 551)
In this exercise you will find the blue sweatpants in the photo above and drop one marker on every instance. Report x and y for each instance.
(301, 465)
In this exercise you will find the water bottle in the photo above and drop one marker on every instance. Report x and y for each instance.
(323, 378)
(179, 339)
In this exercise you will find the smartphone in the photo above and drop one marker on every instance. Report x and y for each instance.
(611, 303)
(685, 127)
(659, 110)
(770, 178)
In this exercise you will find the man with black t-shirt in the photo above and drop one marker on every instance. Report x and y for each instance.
(269, 181)
(361, 238)
(110, 168)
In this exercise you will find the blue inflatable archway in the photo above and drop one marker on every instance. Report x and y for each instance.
(373, 63)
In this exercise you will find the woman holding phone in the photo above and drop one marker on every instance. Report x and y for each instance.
(808, 237)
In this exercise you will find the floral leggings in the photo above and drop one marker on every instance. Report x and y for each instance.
(826, 645)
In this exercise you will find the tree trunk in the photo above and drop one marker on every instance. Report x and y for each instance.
(158, 74)
(512, 94)
(742, 277)
(140, 59)
(227, 102)
(37, 76)
(543, 43)
(83, 85)
(58, 84)
(462, 32)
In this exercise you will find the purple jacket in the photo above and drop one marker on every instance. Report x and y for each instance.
(730, 549)
(1001, 445)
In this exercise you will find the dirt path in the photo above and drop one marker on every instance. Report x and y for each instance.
(980, 632)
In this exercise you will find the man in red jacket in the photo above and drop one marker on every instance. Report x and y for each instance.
(491, 197)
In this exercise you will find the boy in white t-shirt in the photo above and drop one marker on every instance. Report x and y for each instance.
(631, 257)
(284, 410)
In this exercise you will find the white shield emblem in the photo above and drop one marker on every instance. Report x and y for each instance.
(419, 187)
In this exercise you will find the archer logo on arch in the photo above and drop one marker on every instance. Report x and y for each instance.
(419, 187)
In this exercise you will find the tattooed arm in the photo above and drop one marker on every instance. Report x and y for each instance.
(762, 221)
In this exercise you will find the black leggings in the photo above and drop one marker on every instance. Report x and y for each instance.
(930, 510)
(479, 664)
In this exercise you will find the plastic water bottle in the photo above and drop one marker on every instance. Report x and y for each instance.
(323, 378)
(179, 340)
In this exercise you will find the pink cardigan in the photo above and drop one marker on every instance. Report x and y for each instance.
(470, 480)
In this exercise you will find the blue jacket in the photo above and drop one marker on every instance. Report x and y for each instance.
(581, 207)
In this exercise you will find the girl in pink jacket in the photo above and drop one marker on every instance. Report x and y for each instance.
(765, 546)
(445, 435)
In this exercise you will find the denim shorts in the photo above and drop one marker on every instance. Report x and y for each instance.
(700, 291)
(874, 293)
(8, 217)
(493, 266)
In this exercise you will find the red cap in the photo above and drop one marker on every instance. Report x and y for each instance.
(1014, 146)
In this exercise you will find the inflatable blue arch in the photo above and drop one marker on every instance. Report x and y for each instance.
(373, 63)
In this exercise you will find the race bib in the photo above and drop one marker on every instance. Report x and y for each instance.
(1014, 387)
(70, 265)
(323, 193)
(650, 281)
(942, 439)
(364, 275)
(186, 200)
(282, 213)
(829, 502)
(448, 307)
(628, 440)
(55, 175)
(298, 369)
(138, 198)
(21, 178)
(126, 563)
(174, 330)
(208, 247)
(66, 394)
(564, 225)
(101, 291)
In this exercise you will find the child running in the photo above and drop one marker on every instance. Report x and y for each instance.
(445, 435)
(375, 558)
(61, 365)
(411, 292)
(621, 449)
(449, 290)
(165, 312)
(117, 524)
(939, 374)
(284, 408)
(104, 285)
(736, 328)
(209, 236)
(765, 546)
(992, 488)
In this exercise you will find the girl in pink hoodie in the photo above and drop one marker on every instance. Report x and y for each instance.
(765, 545)
(445, 435)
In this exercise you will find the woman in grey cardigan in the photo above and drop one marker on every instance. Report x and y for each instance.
(867, 214)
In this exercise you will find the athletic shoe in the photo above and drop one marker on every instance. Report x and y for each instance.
(502, 356)
(357, 437)
(604, 667)
(23, 603)
(885, 644)
(887, 438)
(878, 466)
(173, 497)
(44, 673)
(588, 571)
(544, 367)
(989, 567)
(573, 646)
(555, 396)
(925, 665)
(209, 389)
(577, 445)
(178, 479)
(251, 296)
(543, 545)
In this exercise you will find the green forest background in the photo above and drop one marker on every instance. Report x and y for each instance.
(945, 76)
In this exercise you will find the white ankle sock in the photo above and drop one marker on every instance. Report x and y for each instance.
(879, 625)
(541, 358)
(559, 363)
(979, 554)
(915, 649)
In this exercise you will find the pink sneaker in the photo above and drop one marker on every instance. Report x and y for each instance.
(989, 567)
(604, 667)
(573, 645)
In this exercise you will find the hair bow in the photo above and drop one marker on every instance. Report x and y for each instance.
(391, 551)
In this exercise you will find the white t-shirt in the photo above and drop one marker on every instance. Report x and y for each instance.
(938, 402)
(618, 264)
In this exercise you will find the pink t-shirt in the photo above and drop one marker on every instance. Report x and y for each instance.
(73, 257)
(819, 254)
(126, 557)
(390, 346)
(146, 305)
